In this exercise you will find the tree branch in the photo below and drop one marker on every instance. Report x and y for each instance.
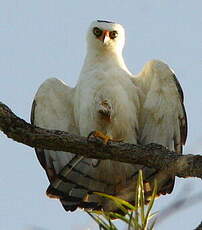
(199, 227)
(151, 155)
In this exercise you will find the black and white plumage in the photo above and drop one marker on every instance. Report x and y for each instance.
(147, 108)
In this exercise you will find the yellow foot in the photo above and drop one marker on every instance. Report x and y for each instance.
(103, 137)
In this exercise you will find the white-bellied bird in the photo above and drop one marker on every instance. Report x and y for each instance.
(116, 105)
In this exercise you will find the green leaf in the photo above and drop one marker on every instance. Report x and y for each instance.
(152, 225)
(99, 221)
(136, 219)
(130, 223)
(117, 200)
(151, 203)
(119, 216)
(141, 195)
(152, 215)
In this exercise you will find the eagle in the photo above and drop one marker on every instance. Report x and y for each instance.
(111, 103)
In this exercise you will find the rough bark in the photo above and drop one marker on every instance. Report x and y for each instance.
(151, 155)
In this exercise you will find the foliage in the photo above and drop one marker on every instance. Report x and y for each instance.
(136, 217)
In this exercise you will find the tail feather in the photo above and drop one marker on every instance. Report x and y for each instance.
(76, 188)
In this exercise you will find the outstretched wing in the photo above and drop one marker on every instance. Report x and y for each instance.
(162, 117)
(53, 109)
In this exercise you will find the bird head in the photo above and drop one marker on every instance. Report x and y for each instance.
(106, 36)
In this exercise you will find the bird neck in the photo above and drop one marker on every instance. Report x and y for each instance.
(107, 58)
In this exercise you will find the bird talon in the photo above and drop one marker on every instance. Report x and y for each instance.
(106, 139)
(98, 134)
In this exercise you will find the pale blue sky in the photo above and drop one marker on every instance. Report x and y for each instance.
(46, 38)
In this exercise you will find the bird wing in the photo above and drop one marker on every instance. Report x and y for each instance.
(162, 117)
(53, 109)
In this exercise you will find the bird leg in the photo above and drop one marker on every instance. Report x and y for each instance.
(105, 111)
(103, 137)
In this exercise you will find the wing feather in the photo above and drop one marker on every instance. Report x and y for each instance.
(163, 117)
(182, 119)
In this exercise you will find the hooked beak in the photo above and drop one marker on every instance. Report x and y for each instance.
(105, 36)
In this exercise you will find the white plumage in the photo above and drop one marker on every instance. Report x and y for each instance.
(147, 108)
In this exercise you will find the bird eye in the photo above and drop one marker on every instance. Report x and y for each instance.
(113, 34)
(97, 32)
